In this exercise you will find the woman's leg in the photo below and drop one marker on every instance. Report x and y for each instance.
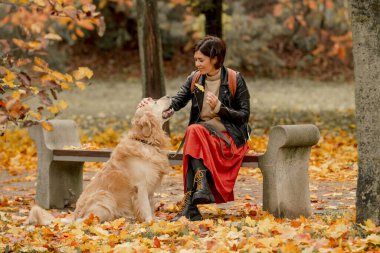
(202, 194)
(187, 207)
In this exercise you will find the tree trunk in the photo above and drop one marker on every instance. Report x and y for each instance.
(150, 49)
(213, 11)
(366, 50)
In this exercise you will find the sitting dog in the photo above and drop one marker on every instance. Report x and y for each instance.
(126, 184)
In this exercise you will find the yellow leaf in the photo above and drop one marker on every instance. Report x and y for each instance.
(16, 94)
(38, 61)
(69, 78)
(53, 109)
(290, 247)
(58, 6)
(200, 87)
(368, 225)
(40, 3)
(63, 104)
(117, 223)
(65, 86)
(53, 36)
(82, 72)
(81, 85)
(20, 43)
(374, 239)
(102, 3)
(9, 77)
(34, 45)
(34, 90)
(59, 76)
(46, 78)
(38, 69)
(35, 115)
(47, 126)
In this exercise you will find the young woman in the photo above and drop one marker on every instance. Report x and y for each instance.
(216, 138)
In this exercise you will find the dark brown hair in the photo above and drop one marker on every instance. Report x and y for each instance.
(212, 46)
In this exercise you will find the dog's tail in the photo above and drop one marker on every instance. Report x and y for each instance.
(39, 216)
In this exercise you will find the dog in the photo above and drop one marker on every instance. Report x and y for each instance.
(126, 184)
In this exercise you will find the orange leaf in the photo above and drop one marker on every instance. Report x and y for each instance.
(341, 53)
(47, 126)
(156, 242)
(38, 61)
(289, 23)
(278, 9)
(313, 5)
(247, 197)
(79, 32)
(22, 62)
(329, 4)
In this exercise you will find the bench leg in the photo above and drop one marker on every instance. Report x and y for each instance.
(59, 184)
(286, 183)
(66, 183)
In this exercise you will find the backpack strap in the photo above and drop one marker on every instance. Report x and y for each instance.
(231, 80)
(195, 79)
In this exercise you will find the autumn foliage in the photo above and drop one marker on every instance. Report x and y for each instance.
(242, 226)
(23, 72)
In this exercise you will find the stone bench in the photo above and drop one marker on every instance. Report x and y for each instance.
(284, 166)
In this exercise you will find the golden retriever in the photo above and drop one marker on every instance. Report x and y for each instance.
(126, 184)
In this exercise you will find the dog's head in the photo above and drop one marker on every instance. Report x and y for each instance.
(153, 115)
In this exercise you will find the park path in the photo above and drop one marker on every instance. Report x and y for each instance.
(326, 196)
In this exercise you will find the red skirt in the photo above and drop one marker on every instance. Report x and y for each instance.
(200, 144)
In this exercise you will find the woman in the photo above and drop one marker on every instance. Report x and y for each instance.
(211, 162)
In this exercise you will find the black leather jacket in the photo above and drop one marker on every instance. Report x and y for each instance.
(234, 111)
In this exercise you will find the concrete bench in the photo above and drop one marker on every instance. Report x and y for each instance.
(284, 166)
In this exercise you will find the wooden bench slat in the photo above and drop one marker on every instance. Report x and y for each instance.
(102, 155)
(83, 152)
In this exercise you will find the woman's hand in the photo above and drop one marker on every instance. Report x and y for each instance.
(212, 100)
(144, 102)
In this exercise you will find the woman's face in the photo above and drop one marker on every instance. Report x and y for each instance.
(204, 64)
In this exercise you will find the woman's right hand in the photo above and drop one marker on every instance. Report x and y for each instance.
(144, 102)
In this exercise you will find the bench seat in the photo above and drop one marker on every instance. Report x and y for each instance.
(102, 155)
(284, 166)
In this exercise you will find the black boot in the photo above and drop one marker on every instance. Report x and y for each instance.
(202, 194)
(187, 208)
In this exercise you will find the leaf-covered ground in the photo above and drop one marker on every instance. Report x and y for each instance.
(236, 226)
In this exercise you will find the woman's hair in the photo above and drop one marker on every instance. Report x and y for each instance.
(212, 46)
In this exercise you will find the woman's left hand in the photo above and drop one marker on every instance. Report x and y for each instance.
(211, 99)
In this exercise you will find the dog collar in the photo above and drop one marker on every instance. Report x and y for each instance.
(145, 142)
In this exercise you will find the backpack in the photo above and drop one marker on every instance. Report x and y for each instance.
(231, 80)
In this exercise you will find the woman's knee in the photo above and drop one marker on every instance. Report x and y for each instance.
(194, 127)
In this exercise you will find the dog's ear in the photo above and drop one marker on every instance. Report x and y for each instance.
(145, 124)
(146, 130)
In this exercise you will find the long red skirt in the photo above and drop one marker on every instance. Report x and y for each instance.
(200, 144)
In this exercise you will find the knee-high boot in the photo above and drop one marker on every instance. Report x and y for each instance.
(187, 207)
(202, 194)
